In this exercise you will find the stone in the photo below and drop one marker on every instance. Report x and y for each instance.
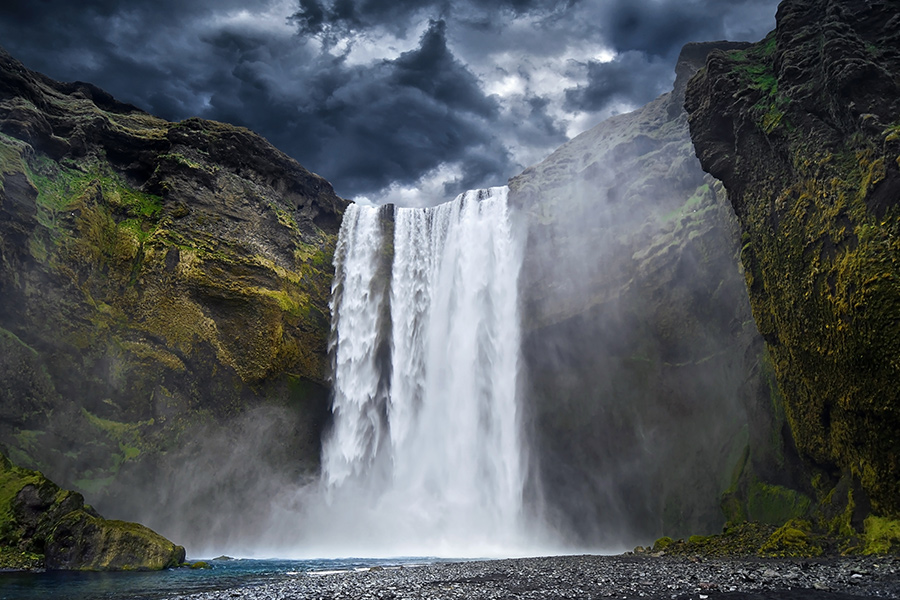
(59, 532)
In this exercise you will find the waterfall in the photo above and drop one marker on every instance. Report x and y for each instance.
(425, 453)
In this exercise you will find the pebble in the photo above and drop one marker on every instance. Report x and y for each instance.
(584, 577)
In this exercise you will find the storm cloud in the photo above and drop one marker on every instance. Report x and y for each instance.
(408, 101)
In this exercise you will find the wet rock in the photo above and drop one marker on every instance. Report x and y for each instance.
(158, 278)
(802, 130)
(58, 531)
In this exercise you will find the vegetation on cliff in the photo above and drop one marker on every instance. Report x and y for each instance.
(802, 130)
(165, 287)
(43, 526)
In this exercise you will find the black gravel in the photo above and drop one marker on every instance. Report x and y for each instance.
(585, 577)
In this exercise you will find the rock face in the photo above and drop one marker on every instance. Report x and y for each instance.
(648, 379)
(164, 297)
(57, 530)
(803, 129)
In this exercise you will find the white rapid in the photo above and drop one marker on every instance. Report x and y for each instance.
(425, 455)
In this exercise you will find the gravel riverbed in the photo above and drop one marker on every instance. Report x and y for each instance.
(585, 577)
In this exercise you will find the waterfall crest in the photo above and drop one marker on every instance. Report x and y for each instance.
(425, 454)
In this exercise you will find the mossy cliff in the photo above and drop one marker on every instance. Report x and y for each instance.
(163, 302)
(647, 384)
(43, 526)
(803, 129)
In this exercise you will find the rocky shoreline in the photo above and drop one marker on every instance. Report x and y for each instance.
(626, 576)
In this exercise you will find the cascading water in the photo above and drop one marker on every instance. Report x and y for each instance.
(425, 454)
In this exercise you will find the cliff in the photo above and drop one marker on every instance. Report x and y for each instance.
(43, 526)
(164, 295)
(802, 129)
(647, 380)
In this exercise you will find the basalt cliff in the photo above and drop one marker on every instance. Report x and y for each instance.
(164, 314)
(803, 130)
(647, 381)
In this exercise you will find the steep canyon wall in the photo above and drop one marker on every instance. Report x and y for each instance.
(646, 377)
(164, 312)
(802, 129)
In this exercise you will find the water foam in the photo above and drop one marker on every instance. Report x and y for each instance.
(425, 456)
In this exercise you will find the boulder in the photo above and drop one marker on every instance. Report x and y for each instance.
(57, 530)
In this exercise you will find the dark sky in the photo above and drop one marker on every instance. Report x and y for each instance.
(410, 101)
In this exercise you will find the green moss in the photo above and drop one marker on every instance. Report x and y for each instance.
(7, 336)
(84, 542)
(736, 540)
(824, 284)
(837, 508)
(94, 486)
(37, 246)
(129, 201)
(14, 559)
(12, 480)
(662, 543)
(321, 259)
(181, 159)
(768, 45)
(140, 229)
(700, 196)
(755, 67)
(882, 536)
(793, 539)
(892, 134)
(761, 77)
(699, 540)
(772, 118)
(776, 504)
(737, 55)
(27, 439)
(61, 188)
(130, 452)
(291, 302)
(130, 439)
(732, 503)
(284, 217)
(115, 429)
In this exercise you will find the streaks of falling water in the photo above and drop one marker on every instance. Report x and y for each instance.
(425, 454)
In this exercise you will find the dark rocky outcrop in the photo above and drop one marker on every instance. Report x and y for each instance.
(648, 381)
(803, 129)
(164, 310)
(43, 526)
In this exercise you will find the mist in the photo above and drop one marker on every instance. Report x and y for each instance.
(424, 453)
(592, 376)
(640, 353)
(636, 361)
